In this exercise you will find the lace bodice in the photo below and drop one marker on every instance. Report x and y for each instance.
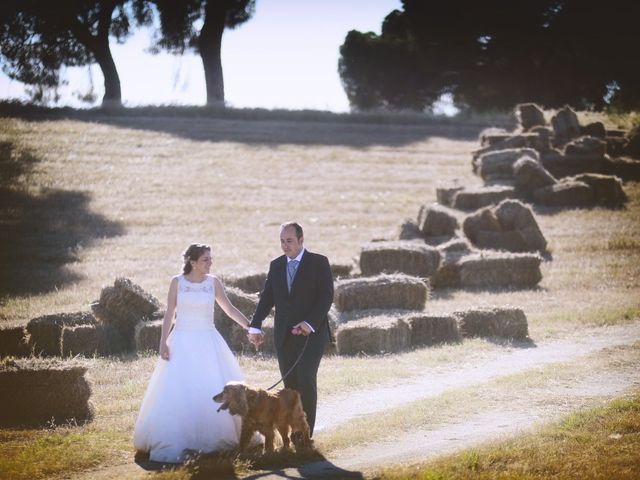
(195, 306)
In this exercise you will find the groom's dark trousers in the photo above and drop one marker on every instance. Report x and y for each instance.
(310, 299)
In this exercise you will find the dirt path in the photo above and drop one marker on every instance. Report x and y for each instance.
(593, 365)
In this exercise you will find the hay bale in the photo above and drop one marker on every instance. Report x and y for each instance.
(482, 220)
(529, 115)
(438, 221)
(432, 329)
(250, 283)
(475, 198)
(245, 302)
(491, 135)
(505, 322)
(624, 168)
(445, 194)
(607, 189)
(372, 336)
(510, 241)
(239, 342)
(594, 129)
(529, 175)
(383, 291)
(85, 340)
(147, 336)
(13, 342)
(409, 230)
(37, 391)
(586, 146)
(498, 269)
(456, 244)
(340, 270)
(632, 148)
(500, 163)
(411, 258)
(565, 193)
(513, 215)
(565, 124)
(45, 333)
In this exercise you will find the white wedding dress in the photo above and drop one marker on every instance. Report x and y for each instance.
(178, 413)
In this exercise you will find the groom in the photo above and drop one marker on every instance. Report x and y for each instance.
(300, 286)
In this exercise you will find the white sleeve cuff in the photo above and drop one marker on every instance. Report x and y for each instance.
(310, 327)
(254, 330)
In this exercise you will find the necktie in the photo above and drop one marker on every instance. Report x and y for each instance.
(292, 266)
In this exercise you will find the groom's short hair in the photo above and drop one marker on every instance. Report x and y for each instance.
(296, 225)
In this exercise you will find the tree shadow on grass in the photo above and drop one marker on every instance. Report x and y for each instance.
(41, 232)
(255, 465)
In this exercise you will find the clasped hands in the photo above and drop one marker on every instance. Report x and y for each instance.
(301, 328)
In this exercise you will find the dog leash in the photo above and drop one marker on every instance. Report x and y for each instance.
(306, 342)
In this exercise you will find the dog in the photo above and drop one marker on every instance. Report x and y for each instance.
(263, 411)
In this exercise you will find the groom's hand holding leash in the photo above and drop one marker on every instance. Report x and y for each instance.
(302, 328)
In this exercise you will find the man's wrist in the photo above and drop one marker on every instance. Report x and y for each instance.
(254, 330)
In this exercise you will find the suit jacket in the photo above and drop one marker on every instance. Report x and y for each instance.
(309, 301)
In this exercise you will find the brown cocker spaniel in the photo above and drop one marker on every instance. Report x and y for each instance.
(263, 411)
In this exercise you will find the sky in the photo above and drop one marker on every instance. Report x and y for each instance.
(285, 56)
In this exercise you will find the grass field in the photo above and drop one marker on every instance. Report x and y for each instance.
(89, 197)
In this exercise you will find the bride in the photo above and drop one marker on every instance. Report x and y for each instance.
(178, 414)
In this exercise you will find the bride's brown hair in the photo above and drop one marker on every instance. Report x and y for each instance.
(193, 252)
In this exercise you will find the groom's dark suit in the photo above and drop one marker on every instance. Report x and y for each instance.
(310, 299)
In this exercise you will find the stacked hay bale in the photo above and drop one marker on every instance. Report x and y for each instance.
(13, 342)
(453, 251)
(437, 223)
(411, 258)
(147, 336)
(38, 391)
(428, 329)
(372, 336)
(250, 283)
(46, 332)
(500, 269)
(529, 175)
(473, 198)
(509, 226)
(384, 291)
(234, 334)
(505, 322)
(119, 310)
(498, 164)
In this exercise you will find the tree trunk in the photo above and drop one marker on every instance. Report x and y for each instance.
(209, 45)
(98, 45)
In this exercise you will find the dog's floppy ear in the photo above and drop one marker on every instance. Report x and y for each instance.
(238, 400)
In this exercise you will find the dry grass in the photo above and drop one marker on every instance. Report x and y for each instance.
(88, 199)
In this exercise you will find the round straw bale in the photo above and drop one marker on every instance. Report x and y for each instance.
(565, 124)
(148, 335)
(250, 283)
(565, 194)
(372, 336)
(475, 198)
(37, 391)
(515, 215)
(594, 129)
(445, 194)
(409, 230)
(429, 329)
(483, 220)
(505, 322)
(383, 291)
(607, 189)
(500, 162)
(245, 302)
(45, 333)
(13, 342)
(412, 258)
(438, 221)
(529, 175)
(529, 115)
(498, 269)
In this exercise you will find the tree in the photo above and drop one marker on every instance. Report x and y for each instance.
(496, 53)
(178, 32)
(38, 38)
